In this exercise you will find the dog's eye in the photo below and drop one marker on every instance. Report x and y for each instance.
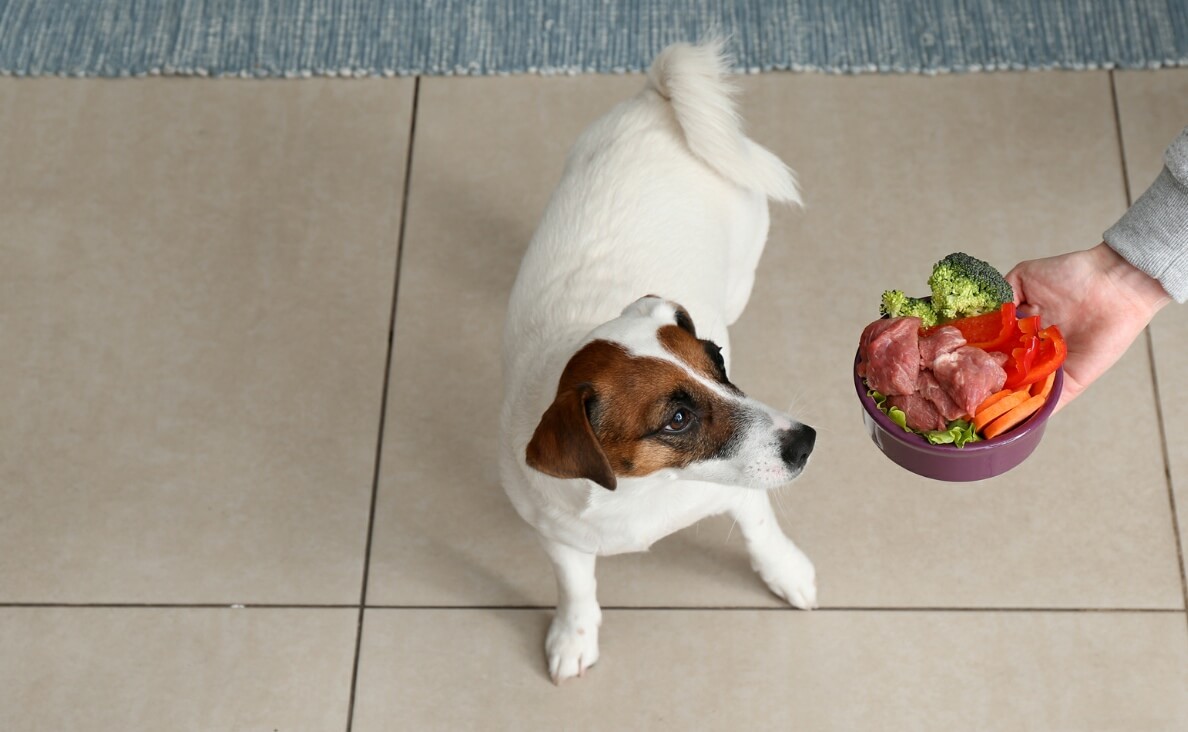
(680, 421)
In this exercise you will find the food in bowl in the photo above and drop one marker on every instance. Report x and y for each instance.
(959, 366)
(975, 461)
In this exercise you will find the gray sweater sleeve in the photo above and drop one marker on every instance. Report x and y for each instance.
(1153, 234)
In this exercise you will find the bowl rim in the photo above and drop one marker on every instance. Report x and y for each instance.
(914, 440)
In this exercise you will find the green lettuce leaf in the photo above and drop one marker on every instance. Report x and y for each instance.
(959, 432)
(896, 414)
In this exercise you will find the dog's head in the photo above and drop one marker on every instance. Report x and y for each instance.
(645, 395)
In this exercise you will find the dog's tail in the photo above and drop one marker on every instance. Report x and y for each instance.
(695, 81)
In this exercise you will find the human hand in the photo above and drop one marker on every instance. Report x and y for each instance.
(1099, 301)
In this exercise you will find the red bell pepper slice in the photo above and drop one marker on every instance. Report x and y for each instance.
(1022, 358)
(1052, 353)
(1024, 353)
(1037, 356)
(992, 331)
(1030, 325)
(1008, 331)
(975, 328)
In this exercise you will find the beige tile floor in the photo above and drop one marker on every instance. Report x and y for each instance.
(200, 412)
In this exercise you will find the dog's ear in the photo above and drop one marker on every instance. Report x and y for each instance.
(684, 322)
(564, 444)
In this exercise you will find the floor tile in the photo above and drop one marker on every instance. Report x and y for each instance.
(1153, 108)
(487, 155)
(1006, 167)
(114, 670)
(979, 163)
(194, 303)
(731, 670)
(1169, 334)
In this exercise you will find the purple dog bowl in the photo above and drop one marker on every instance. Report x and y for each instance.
(975, 461)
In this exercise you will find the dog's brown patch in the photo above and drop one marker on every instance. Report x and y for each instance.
(614, 406)
(703, 357)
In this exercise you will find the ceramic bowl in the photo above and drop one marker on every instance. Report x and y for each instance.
(975, 461)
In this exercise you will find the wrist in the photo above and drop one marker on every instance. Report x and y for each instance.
(1140, 288)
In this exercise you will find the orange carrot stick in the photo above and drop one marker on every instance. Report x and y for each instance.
(1043, 388)
(992, 399)
(999, 408)
(1014, 417)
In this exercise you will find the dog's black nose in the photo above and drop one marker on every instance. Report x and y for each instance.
(796, 444)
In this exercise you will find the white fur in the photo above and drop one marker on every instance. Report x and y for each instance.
(663, 195)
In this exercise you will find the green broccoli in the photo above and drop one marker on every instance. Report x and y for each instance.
(962, 285)
(895, 304)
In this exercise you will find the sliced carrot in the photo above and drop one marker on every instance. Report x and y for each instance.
(1043, 388)
(1014, 416)
(988, 401)
(999, 408)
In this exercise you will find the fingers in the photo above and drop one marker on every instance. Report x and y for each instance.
(1026, 310)
(1015, 280)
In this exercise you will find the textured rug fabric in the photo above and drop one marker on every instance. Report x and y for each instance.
(389, 37)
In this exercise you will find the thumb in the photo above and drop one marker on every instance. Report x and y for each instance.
(1015, 280)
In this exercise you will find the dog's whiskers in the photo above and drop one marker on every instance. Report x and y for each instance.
(779, 501)
(733, 523)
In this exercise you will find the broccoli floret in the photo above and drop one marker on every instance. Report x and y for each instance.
(895, 304)
(963, 285)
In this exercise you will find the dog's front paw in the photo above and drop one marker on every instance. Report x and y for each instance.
(790, 574)
(571, 647)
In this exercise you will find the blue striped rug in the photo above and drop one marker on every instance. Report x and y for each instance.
(397, 37)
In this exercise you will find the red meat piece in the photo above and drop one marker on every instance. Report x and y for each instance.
(945, 339)
(920, 413)
(889, 355)
(929, 388)
(969, 375)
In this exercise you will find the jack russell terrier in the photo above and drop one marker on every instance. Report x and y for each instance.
(619, 424)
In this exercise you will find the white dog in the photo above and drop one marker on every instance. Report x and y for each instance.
(619, 425)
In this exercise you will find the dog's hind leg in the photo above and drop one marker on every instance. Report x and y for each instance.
(781, 564)
(572, 642)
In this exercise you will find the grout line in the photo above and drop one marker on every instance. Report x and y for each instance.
(1171, 494)
(1121, 144)
(180, 605)
(788, 609)
(379, 442)
(612, 608)
(1162, 422)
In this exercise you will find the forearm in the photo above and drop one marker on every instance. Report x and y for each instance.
(1153, 234)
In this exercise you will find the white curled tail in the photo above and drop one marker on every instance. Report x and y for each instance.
(695, 81)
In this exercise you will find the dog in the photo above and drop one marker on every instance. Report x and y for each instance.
(619, 423)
